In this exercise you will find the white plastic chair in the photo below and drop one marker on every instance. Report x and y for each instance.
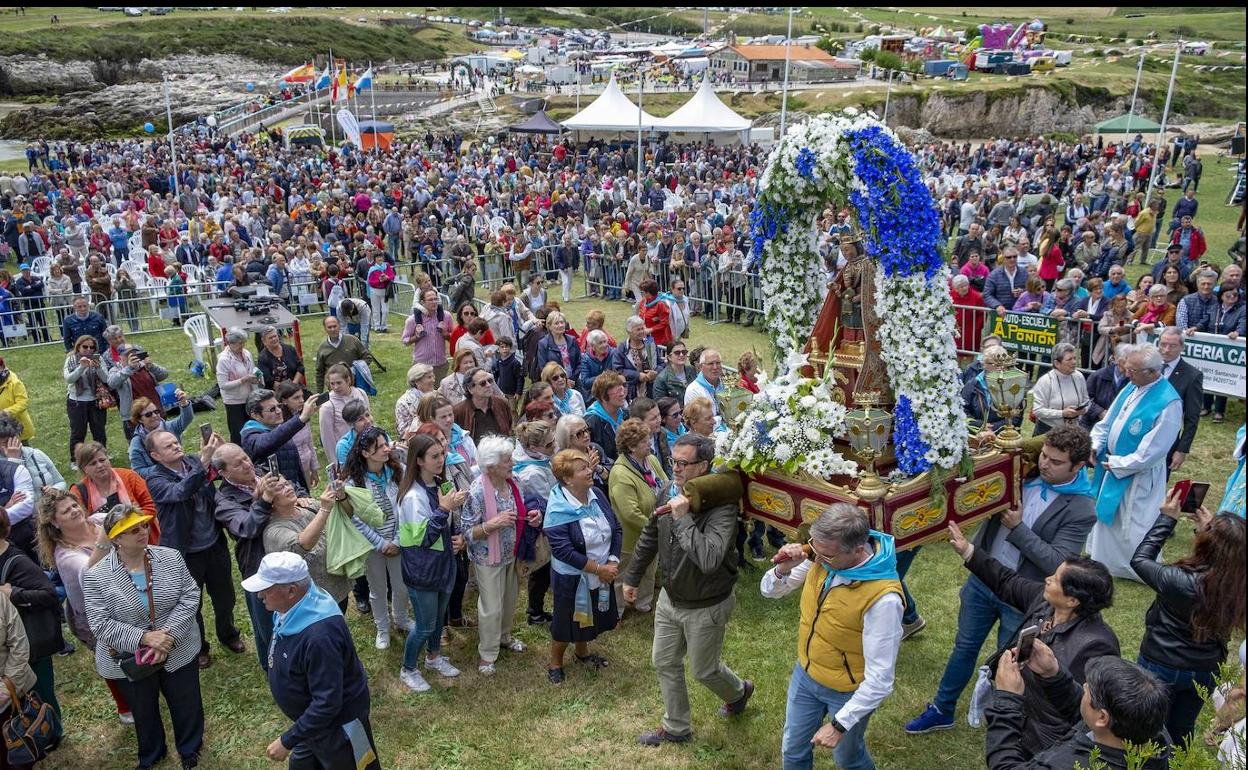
(196, 327)
(133, 267)
(41, 266)
(496, 226)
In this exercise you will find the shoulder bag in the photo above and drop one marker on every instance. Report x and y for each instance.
(31, 732)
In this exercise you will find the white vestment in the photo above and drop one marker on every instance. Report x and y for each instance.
(1114, 544)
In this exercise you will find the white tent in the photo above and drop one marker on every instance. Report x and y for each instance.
(611, 111)
(704, 113)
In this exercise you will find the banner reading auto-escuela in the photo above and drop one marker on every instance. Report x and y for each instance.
(1028, 333)
(1220, 359)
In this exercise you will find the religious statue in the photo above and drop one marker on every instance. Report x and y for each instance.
(855, 288)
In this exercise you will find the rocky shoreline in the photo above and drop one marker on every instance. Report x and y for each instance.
(86, 107)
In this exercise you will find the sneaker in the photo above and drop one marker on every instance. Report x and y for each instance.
(126, 718)
(515, 645)
(540, 619)
(929, 721)
(446, 636)
(910, 629)
(660, 736)
(363, 607)
(442, 666)
(464, 622)
(756, 553)
(383, 640)
(68, 649)
(486, 669)
(413, 679)
(738, 706)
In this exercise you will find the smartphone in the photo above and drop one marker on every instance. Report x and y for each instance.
(205, 432)
(323, 398)
(663, 510)
(337, 484)
(1195, 496)
(1026, 641)
(1183, 488)
(272, 464)
(446, 487)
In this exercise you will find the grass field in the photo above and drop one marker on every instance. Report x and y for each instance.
(517, 720)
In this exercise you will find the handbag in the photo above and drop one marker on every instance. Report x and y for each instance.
(31, 732)
(42, 625)
(135, 667)
(104, 398)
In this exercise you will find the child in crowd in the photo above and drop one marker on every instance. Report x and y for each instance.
(508, 371)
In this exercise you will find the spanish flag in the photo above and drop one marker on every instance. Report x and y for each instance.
(301, 74)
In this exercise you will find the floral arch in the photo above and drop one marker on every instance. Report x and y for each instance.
(851, 158)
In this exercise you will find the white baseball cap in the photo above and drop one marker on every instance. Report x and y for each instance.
(275, 569)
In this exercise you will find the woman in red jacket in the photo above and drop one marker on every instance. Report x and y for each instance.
(655, 313)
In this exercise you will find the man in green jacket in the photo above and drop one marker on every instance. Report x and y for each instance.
(338, 348)
(698, 559)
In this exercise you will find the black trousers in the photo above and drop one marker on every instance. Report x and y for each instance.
(83, 415)
(539, 584)
(235, 419)
(455, 608)
(332, 750)
(186, 711)
(211, 568)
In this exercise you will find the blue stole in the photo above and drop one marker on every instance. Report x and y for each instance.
(881, 566)
(1109, 488)
(1079, 485)
(564, 405)
(559, 511)
(713, 390)
(597, 408)
(661, 297)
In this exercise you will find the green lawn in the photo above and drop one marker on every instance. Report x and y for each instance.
(517, 720)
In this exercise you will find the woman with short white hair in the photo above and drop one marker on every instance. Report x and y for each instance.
(1060, 397)
(236, 376)
(494, 522)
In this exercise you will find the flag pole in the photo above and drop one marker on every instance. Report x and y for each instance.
(333, 78)
(372, 100)
(173, 152)
(1165, 116)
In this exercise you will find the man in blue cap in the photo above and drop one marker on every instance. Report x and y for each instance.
(315, 674)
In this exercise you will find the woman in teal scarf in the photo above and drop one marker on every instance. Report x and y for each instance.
(585, 543)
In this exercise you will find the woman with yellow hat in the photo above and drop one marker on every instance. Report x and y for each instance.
(141, 605)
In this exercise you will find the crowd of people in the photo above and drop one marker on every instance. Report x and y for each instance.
(581, 461)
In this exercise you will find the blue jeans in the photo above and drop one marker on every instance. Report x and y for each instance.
(428, 614)
(1185, 700)
(904, 560)
(261, 626)
(807, 704)
(979, 611)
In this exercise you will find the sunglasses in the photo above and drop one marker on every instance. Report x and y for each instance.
(150, 413)
(582, 433)
(558, 377)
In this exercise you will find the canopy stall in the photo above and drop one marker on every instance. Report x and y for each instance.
(539, 123)
(705, 113)
(1134, 124)
(376, 134)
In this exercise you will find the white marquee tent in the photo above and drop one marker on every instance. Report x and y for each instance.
(704, 113)
(611, 111)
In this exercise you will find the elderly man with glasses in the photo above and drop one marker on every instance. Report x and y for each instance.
(483, 412)
(266, 435)
(699, 568)
(846, 656)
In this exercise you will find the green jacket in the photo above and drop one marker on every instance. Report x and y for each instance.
(632, 499)
(346, 550)
(697, 555)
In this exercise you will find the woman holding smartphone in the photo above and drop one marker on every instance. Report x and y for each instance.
(1064, 612)
(429, 540)
(1199, 606)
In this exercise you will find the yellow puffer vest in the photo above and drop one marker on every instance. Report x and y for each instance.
(829, 638)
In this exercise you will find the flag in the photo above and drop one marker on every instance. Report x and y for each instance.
(325, 79)
(301, 74)
(340, 85)
(365, 81)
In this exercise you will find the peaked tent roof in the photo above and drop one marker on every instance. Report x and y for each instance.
(1138, 125)
(704, 112)
(611, 111)
(539, 123)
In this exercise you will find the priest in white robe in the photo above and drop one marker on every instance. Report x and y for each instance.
(1129, 446)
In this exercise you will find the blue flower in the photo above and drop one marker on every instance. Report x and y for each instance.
(908, 444)
(895, 210)
(805, 163)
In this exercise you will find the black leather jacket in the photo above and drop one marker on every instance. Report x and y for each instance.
(1074, 643)
(1169, 638)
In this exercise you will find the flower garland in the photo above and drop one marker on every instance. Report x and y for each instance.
(787, 426)
(852, 157)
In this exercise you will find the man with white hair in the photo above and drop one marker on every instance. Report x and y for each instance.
(1129, 448)
(636, 358)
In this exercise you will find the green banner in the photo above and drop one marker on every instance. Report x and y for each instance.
(1029, 333)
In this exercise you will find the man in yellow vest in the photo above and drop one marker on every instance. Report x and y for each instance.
(847, 639)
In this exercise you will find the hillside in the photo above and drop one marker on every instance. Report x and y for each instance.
(278, 39)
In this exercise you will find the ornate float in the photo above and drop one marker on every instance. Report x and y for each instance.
(866, 405)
